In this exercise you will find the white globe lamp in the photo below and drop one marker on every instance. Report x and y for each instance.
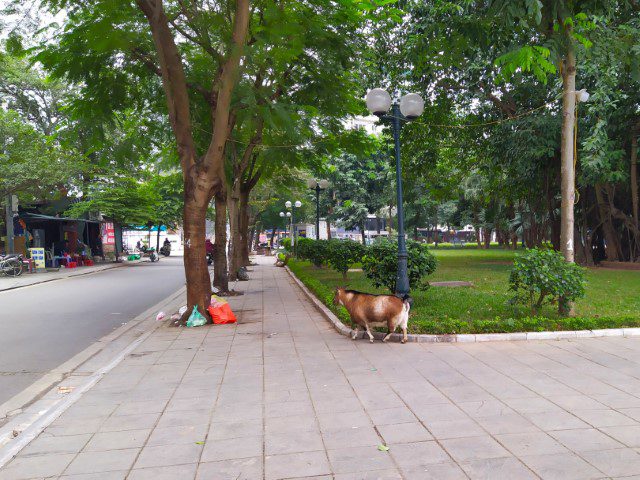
(378, 101)
(411, 105)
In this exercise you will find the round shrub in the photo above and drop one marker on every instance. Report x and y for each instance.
(542, 276)
(341, 254)
(380, 264)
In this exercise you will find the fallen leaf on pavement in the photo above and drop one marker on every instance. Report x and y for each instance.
(383, 448)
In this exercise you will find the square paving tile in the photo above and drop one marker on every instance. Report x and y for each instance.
(277, 444)
(103, 441)
(354, 459)
(560, 420)
(474, 448)
(130, 422)
(231, 449)
(296, 423)
(562, 466)
(629, 436)
(182, 472)
(367, 475)
(498, 469)
(404, 433)
(223, 430)
(533, 443)
(439, 471)
(47, 444)
(614, 463)
(392, 416)
(245, 469)
(418, 453)
(166, 455)
(98, 462)
(301, 464)
(585, 440)
(353, 437)
(177, 435)
(35, 466)
(604, 418)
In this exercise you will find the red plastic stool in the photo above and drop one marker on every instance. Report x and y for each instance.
(72, 264)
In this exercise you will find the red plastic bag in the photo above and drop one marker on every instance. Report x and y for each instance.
(221, 314)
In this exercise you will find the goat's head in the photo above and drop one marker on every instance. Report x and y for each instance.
(338, 295)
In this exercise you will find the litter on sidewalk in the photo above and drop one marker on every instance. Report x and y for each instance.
(220, 311)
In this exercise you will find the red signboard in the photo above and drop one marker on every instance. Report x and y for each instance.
(108, 234)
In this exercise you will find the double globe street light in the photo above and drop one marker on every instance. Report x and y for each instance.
(317, 185)
(409, 108)
(289, 214)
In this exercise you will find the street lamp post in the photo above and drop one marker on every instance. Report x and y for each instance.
(317, 185)
(410, 107)
(290, 206)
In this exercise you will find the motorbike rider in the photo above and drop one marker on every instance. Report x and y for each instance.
(166, 244)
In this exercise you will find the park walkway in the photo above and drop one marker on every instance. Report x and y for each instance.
(281, 396)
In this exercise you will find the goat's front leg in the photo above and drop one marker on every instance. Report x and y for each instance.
(354, 333)
(404, 333)
(386, 337)
(369, 333)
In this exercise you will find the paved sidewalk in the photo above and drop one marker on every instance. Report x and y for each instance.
(8, 283)
(283, 396)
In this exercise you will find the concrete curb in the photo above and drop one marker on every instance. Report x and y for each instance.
(32, 410)
(71, 275)
(466, 337)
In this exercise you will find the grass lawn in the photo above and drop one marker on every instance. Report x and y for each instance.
(612, 299)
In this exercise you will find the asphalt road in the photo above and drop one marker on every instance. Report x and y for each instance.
(44, 325)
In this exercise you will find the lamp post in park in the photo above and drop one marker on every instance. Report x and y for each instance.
(409, 108)
(289, 214)
(317, 185)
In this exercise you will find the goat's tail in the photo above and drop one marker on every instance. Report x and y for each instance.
(407, 301)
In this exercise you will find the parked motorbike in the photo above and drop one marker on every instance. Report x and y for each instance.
(165, 249)
(210, 247)
(149, 252)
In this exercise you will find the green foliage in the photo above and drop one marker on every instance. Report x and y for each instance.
(316, 251)
(542, 276)
(341, 254)
(380, 264)
(483, 308)
(286, 243)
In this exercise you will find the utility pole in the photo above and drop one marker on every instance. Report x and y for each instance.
(9, 222)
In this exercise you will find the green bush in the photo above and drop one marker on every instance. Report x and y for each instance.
(286, 243)
(542, 276)
(303, 246)
(341, 254)
(380, 264)
(319, 252)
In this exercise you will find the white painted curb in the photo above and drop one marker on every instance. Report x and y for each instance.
(467, 337)
(47, 409)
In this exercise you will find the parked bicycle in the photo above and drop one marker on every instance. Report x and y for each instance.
(11, 265)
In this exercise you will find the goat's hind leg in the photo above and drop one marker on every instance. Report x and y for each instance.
(354, 333)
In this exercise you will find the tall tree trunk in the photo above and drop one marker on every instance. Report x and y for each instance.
(610, 237)
(362, 230)
(203, 176)
(273, 234)
(244, 228)
(567, 154)
(633, 176)
(158, 238)
(220, 274)
(487, 237)
(195, 256)
(233, 206)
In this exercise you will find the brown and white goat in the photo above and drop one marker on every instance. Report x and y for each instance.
(368, 310)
